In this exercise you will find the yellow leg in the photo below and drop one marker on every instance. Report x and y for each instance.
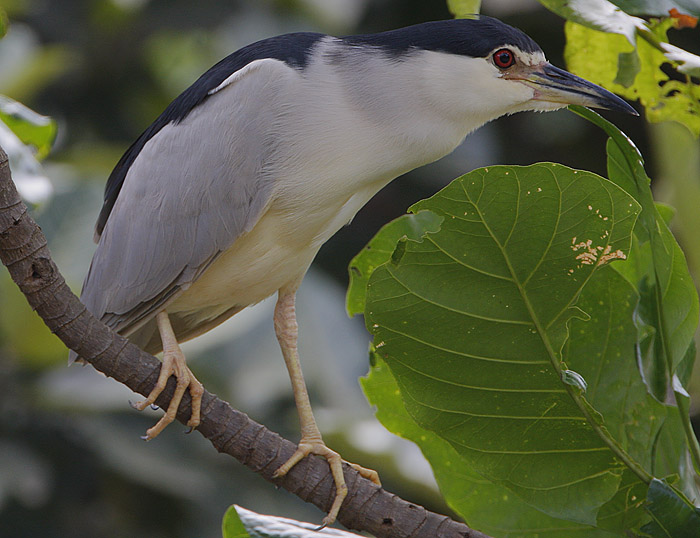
(173, 364)
(311, 441)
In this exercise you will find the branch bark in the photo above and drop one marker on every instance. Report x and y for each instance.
(24, 251)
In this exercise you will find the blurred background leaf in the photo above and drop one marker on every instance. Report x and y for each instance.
(657, 7)
(31, 128)
(3, 23)
(462, 8)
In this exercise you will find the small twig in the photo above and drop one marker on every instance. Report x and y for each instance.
(24, 250)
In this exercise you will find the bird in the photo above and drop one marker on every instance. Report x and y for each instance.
(225, 199)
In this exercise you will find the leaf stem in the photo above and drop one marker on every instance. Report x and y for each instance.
(650, 37)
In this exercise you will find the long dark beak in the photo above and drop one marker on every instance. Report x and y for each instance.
(555, 85)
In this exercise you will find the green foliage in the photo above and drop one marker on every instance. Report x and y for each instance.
(587, 12)
(31, 128)
(657, 7)
(379, 250)
(23, 332)
(3, 23)
(232, 526)
(663, 99)
(484, 505)
(472, 319)
(507, 347)
(672, 517)
(462, 8)
(625, 54)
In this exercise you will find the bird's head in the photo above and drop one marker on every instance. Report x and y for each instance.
(483, 68)
(544, 86)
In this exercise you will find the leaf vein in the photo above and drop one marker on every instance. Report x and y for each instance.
(461, 353)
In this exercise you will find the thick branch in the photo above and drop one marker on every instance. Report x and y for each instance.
(24, 250)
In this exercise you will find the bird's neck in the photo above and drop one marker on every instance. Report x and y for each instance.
(405, 111)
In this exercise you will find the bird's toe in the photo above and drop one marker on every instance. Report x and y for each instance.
(335, 462)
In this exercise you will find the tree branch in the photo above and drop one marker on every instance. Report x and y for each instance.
(24, 250)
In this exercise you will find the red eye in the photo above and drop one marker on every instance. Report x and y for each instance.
(503, 58)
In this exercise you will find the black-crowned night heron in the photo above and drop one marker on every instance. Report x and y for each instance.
(226, 198)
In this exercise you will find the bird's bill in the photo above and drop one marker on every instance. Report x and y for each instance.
(554, 85)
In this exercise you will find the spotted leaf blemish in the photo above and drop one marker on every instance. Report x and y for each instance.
(588, 254)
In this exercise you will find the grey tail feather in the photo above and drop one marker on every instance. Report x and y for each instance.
(74, 357)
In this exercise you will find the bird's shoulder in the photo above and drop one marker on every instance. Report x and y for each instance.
(293, 49)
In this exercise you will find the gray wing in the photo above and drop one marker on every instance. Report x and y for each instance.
(192, 190)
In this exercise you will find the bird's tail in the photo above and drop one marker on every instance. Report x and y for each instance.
(74, 357)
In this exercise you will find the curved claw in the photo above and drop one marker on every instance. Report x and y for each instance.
(369, 474)
(173, 364)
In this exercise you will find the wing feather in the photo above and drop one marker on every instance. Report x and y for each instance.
(195, 186)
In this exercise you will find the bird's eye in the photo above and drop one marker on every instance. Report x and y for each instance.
(503, 58)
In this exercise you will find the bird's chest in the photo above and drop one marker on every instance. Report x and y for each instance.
(323, 174)
(257, 264)
(322, 182)
(277, 251)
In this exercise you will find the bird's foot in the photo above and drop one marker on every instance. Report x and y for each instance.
(174, 364)
(335, 462)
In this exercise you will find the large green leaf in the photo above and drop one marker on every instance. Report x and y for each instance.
(602, 350)
(471, 322)
(483, 505)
